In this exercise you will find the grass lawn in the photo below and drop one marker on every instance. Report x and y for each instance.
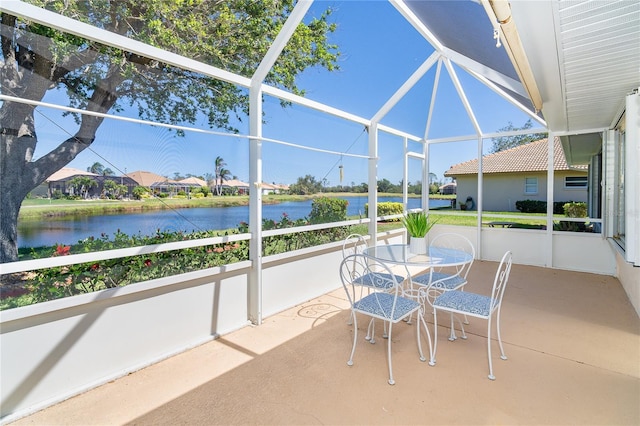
(38, 208)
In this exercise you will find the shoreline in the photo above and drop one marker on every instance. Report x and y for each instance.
(38, 209)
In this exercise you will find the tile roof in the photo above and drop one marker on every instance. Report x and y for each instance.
(66, 172)
(275, 186)
(145, 178)
(235, 183)
(531, 157)
(194, 180)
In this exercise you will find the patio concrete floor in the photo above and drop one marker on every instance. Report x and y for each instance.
(572, 339)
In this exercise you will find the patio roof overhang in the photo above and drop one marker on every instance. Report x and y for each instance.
(585, 57)
(556, 59)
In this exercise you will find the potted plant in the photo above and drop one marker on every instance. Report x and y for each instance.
(418, 226)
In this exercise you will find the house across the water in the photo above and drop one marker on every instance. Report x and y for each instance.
(518, 174)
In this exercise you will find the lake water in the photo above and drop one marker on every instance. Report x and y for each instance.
(69, 231)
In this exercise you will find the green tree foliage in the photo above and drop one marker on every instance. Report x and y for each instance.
(306, 186)
(36, 59)
(414, 188)
(96, 168)
(80, 185)
(113, 190)
(326, 210)
(204, 190)
(506, 142)
(384, 185)
(221, 174)
(140, 192)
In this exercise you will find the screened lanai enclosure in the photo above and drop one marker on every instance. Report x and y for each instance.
(346, 95)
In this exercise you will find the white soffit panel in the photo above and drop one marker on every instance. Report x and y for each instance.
(600, 42)
(585, 56)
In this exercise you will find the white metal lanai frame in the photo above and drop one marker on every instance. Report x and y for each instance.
(491, 69)
(256, 88)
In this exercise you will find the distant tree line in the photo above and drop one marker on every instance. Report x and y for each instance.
(308, 185)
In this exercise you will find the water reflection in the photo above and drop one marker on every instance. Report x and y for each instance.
(71, 230)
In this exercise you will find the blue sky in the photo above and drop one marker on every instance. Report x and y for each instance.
(379, 51)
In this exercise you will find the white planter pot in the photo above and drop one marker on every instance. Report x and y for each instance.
(418, 245)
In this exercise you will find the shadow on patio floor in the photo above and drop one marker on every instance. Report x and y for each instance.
(573, 342)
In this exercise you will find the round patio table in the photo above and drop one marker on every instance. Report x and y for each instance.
(401, 255)
(439, 257)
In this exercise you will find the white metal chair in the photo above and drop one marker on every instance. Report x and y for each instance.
(355, 244)
(476, 305)
(451, 278)
(383, 301)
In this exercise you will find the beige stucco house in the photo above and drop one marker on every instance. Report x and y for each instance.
(519, 174)
(236, 186)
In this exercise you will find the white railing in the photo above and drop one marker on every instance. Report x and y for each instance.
(56, 349)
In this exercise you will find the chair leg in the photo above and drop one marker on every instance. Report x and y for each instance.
(435, 337)
(355, 337)
(384, 330)
(502, 355)
(424, 323)
(491, 376)
(391, 381)
(452, 333)
(466, 320)
(422, 358)
(463, 336)
(350, 320)
(409, 319)
(371, 332)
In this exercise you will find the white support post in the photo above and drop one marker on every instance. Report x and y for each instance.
(405, 175)
(479, 200)
(254, 293)
(373, 182)
(550, 179)
(425, 178)
(632, 179)
(610, 183)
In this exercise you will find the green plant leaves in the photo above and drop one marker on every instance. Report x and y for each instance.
(417, 224)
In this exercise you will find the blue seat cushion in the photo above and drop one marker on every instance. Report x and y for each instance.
(462, 301)
(440, 280)
(382, 281)
(380, 305)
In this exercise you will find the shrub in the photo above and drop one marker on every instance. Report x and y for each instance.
(140, 192)
(573, 209)
(531, 206)
(57, 282)
(386, 209)
(326, 210)
(537, 206)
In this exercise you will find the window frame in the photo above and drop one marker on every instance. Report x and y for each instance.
(527, 185)
(583, 182)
